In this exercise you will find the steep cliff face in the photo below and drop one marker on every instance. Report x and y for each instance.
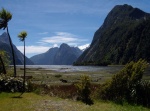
(4, 45)
(65, 55)
(124, 36)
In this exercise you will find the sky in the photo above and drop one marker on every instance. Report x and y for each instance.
(49, 23)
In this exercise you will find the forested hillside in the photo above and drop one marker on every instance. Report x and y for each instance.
(123, 37)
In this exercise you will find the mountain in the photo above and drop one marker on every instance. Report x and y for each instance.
(65, 55)
(4, 45)
(124, 36)
(46, 58)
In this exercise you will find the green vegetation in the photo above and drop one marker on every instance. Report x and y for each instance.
(123, 37)
(127, 85)
(11, 84)
(58, 75)
(4, 61)
(33, 102)
(5, 17)
(22, 35)
(92, 63)
(84, 90)
(2, 66)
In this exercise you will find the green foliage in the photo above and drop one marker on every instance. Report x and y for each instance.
(22, 35)
(5, 60)
(127, 85)
(84, 90)
(58, 75)
(142, 95)
(95, 63)
(11, 84)
(5, 57)
(123, 37)
(5, 17)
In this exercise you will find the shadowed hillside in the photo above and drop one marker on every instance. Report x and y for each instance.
(124, 36)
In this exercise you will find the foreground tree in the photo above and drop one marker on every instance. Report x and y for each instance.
(22, 35)
(4, 61)
(5, 17)
(2, 65)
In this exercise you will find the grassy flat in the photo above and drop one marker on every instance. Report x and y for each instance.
(50, 76)
(34, 102)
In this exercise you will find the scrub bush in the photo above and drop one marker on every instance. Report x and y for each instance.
(11, 84)
(127, 85)
(84, 90)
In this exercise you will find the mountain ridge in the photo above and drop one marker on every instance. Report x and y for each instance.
(4, 45)
(112, 42)
(64, 55)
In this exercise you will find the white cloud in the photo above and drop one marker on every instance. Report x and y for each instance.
(33, 49)
(62, 37)
(54, 41)
(55, 45)
(83, 47)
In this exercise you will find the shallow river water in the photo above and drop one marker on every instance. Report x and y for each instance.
(70, 68)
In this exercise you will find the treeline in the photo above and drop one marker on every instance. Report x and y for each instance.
(92, 63)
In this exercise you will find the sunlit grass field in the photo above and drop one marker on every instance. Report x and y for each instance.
(34, 102)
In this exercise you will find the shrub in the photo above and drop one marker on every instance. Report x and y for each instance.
(143, 94)
(58, 76)
(84, 90)
(11, 84)
(127, 85)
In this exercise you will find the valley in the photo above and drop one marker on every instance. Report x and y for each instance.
(52, 75)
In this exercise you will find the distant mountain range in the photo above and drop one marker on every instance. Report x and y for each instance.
(123, 37)
(65, 55)
(4, 45)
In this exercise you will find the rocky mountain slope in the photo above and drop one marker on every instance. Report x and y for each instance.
(4, 45)
(124, 36)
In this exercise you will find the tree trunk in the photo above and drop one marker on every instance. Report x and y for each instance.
(13, 55)
(24, 67)
(4, 70)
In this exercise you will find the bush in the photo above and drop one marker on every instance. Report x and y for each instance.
(143, 94)
(11, 84)
(127, 85)
(84, 90)
(58, 76)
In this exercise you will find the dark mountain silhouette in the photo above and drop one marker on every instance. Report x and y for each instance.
(65, 55)
(4, 45)
(124, 36)
(46, 58)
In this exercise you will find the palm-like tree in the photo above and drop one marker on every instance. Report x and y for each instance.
(22, 35)
(5, 17)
